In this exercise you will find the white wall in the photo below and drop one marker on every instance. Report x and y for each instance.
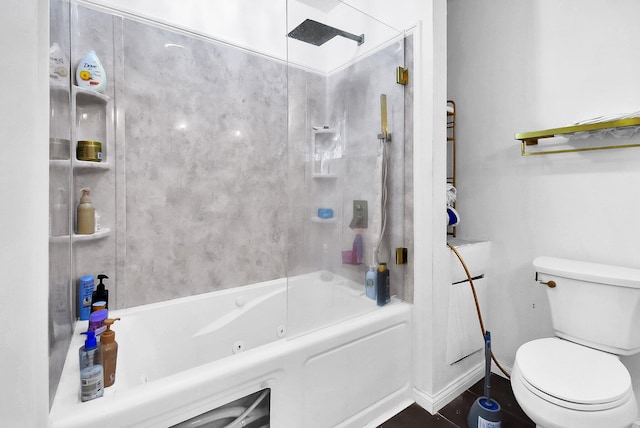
(532, 65)
(24, 215)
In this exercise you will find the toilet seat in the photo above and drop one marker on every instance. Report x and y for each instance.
(573, 376)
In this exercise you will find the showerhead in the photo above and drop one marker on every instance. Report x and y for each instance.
(317, 33)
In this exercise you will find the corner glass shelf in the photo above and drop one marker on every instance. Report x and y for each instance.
(101, 234)
(90, 94)
(90, 166)
(321, 176)
(316, 219)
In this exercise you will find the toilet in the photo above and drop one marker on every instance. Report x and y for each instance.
(576, 379)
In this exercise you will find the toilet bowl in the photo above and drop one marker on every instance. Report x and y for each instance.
(560, 384)
(576, 379)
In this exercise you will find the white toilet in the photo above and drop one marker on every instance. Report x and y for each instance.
(576, 380)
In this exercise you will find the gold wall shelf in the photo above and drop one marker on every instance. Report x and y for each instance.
(531, 138)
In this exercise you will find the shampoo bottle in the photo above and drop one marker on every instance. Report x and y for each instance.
(383, 288)
(101, 294)
(85, 214)
(370, 282)
(91, 371)
(90, 73)
(84, 297)
(109, 352)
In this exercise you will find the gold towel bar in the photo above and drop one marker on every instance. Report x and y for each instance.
(531, 138)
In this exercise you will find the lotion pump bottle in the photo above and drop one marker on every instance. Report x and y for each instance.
(85, 214)
(90, 73)
(109, 352)
(91, 371)
(101, 294)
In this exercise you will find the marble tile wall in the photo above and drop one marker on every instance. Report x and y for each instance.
(206, 165)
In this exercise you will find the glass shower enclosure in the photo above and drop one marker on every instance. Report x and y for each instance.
(233, 155)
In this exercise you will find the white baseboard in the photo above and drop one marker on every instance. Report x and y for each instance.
(389, 413)
(433, 403)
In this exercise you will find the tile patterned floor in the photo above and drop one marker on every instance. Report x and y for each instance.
(454, 414)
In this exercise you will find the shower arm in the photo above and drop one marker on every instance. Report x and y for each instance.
(359, 39)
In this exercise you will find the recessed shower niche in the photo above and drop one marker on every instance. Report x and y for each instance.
(326, 151)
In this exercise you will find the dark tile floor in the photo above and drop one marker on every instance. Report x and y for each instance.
(454, 414)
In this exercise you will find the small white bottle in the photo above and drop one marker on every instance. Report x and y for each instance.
(370, 282)
(90, 73)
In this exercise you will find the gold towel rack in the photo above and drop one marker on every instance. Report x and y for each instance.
(531, 138)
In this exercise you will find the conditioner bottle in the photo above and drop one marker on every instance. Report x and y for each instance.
(109, 352)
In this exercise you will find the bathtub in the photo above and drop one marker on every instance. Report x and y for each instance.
(328, 354)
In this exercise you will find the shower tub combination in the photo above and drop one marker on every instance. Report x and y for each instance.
(176, 358)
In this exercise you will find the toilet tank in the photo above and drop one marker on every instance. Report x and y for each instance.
(593, 304)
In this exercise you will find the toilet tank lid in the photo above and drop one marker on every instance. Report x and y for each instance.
(587, 271)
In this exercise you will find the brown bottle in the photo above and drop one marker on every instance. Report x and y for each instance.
(85, 214)
(109, 352)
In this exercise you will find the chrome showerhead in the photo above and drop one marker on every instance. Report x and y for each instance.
(317, 33)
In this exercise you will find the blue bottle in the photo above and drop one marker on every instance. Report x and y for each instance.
(383, 289)
(91, 370)
(85, 292)
(370, 282)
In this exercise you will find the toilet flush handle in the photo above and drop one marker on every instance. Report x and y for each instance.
(550, 284)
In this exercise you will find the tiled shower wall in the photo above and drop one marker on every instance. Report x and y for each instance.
(206, 165)
(213, 188)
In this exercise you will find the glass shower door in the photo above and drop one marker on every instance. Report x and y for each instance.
(341, 64)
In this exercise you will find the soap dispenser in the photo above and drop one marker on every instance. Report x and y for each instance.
(91, 371)
(85, 214)
(109, 352)
(101, 294)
